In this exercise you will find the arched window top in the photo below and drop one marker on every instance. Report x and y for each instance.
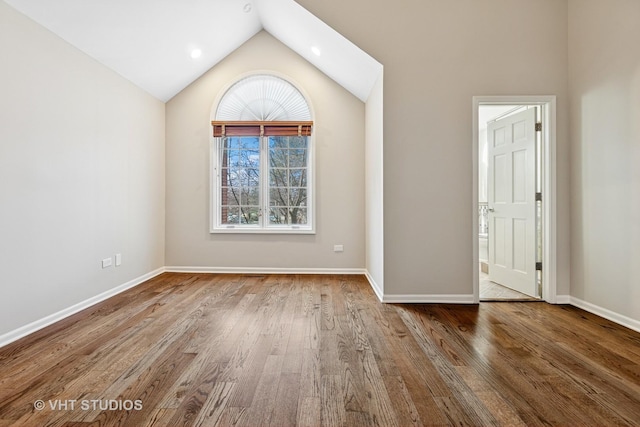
(263, 97)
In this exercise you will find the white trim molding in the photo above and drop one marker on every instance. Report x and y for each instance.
(32, 327)
(549, 214)
(606, 313)
(562, 299)
(377, 289)
(429, 299)
(264, 270)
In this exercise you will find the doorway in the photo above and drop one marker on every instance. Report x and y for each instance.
(513, 198)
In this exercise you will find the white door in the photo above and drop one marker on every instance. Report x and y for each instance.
(512, 205)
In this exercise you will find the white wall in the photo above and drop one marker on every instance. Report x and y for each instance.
(436, 58)
(374, 184)
(339, 139)
(81, 175)
(604, 76)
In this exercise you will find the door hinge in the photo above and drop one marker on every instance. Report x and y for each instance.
(538, 197)
(538, 266)
(538, 127)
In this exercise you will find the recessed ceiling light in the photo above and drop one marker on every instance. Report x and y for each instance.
(196, 53)
(247, 8)
(316, 50)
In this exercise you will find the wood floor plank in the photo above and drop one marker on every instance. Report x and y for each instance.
(263, 397)
(309, 409)
(403, 405)
(310, 350)
(192, 397)
(214, 405)
(286, 411)
(310, 382)
(332, 409)
(231, 416)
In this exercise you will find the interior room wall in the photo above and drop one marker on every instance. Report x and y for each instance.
(437, 55)
(604, 76)
(374, 184)
(81, 175)
(339, 138)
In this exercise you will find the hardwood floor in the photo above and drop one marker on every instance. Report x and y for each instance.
(198, 349)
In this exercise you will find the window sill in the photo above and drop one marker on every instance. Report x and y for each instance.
(243, 230)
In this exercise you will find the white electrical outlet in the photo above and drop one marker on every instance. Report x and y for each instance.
(338, 248)
(106, 262)
(118, 260)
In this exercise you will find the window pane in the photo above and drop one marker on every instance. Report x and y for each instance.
(297, 158)
(278, 142)
(242, 142)
(228, 197)
(288, 216)
(250, 196)
(279, 178)
(251, 177)
(249, 215)
(251, 143)
(278, 196)
(230, 215)
(240, 180)
(240, 177)
(231, 196)
(278, 216)
(288, 193)
(298, 197)
(298, 216)
(298, 177)
(298, 141)
(225, 177)
(241, 158)
(231, 143)
(278, 158)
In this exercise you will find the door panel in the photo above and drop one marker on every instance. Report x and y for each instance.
(519, 245)
(511, 191)
(499, 238)
(499, 179)
(519, 176)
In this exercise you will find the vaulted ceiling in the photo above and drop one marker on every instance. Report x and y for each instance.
(151, 42)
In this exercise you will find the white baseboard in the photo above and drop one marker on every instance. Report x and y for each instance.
(32, 327)
(562, 299)
(429, 299)
(265, 270)
(607, 314)
(377, 289)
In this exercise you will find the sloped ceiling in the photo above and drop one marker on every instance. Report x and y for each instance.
(150, 42)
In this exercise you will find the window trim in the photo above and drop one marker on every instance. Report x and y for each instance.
(216, 226)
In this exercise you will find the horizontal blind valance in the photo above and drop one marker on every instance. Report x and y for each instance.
(242, 128)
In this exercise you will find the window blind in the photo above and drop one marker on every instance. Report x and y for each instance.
(271, 128)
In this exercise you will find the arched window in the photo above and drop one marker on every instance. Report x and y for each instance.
(262, 173)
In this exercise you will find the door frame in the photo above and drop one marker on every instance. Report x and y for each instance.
(549, 205)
